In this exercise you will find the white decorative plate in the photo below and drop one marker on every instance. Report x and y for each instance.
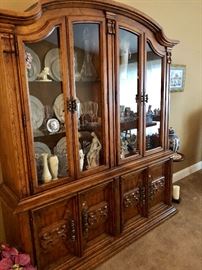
(58, 108)
(60, 151)
(35, 69)
(52, 60)
(37, 112)
(40, 148)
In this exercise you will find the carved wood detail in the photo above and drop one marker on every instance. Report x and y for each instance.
(111, 26)
(98, 215)
(132, 198)
(169, 59)
(62, 230)
(93, 216)
(155, 187)
(8, 43)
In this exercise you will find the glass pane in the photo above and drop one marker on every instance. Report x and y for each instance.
(46, 100)
(89, 94)
(153, 107)
(128, 87)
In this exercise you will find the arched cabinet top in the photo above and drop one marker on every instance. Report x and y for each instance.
(8, 19)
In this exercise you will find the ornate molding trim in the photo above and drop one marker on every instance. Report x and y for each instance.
(98, 215)
(155, 187)
(111, 26)
(52, 236)
(132, 198)
(93, 216)
(168, 56)
(64, 230)
(24, 18)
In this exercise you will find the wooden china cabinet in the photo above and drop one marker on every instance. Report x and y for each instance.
(84, 130)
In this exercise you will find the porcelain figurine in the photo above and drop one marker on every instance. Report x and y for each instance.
(43, 76)
(93, 154)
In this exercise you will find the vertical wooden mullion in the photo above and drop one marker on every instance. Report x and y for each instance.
(112, 85)
(105, 100)
(143, 92)
(167, 96)
(117, 96)
(163, 104)
(140, 105)
(65, 62)
(72, 93)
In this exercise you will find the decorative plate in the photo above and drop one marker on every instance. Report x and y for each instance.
(60, 151)
(40, 148)
(53, 125)
(37, 112)
(35, 69)
(58, 108)
(52, 60)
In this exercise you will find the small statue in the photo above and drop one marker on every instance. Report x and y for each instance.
(43, 76)
(93, 154)
(123, 148)
(81, 159)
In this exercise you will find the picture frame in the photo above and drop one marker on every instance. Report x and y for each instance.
(177, 78)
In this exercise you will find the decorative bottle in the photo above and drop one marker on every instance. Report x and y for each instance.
(53, 163)
(46, 176)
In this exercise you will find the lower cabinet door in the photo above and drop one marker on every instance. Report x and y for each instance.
(55, 233)
(97, 214)
(159, 184)
(133, 197)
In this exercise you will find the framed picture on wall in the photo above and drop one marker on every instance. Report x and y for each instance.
(177, 78)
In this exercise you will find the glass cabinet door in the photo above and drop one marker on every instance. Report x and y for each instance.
(47, 107)
(89, 95)
(128, 93)
(153, 96)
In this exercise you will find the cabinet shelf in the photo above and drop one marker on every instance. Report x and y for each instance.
(133, 124)
(50, 139)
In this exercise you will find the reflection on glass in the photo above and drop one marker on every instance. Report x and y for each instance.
(47, 107)
(128, 85)
(153, 107)
(89, 96)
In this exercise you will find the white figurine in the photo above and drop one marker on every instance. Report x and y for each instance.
(43, 76)
(93, 154)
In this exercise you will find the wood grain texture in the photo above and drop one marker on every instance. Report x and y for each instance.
(87, 216)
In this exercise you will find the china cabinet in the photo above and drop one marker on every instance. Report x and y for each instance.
(84, 130)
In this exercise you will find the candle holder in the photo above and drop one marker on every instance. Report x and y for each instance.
(176, 194)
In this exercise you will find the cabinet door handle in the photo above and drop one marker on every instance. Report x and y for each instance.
(72, 105)
(85, 219)
(72, 230)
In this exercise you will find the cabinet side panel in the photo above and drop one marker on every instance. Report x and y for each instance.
(11, 150)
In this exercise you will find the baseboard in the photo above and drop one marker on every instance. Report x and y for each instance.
(187, 171)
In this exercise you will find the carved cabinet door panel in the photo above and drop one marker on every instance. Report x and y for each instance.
(159, 184)
(133, 197)
(55, 232)
(96, 210)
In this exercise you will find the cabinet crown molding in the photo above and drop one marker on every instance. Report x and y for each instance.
(36, 10)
